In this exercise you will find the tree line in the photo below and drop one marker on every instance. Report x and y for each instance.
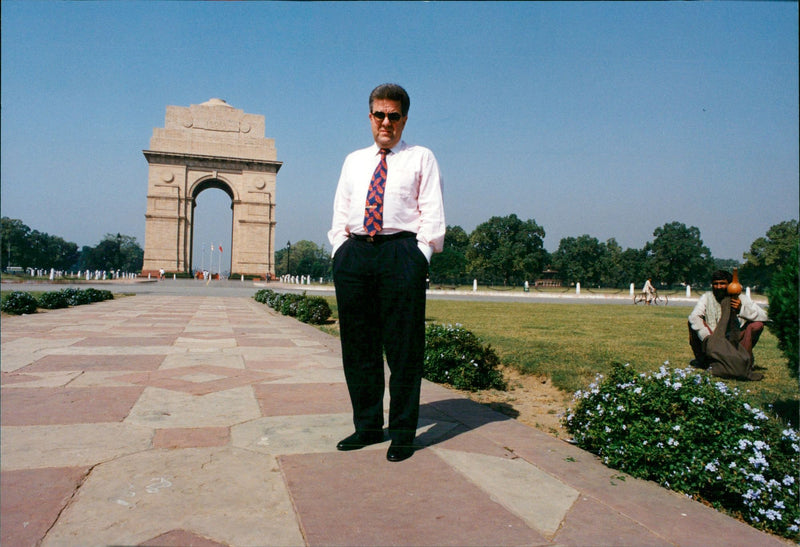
(509, 251)
(22, 247)
(506, 251)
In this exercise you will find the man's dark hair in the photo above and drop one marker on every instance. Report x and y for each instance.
(391, 92)
(721, 275)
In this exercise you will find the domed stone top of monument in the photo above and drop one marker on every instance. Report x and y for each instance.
(216, 102)
(213, 128)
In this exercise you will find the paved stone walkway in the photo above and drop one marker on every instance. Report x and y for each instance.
(207, 421)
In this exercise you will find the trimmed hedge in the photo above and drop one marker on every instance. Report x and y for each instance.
(20, 302)
(308, 309)
(455, 356)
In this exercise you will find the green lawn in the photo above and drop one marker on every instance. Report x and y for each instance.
(571, 343)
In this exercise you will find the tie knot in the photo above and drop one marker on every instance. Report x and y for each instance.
(384, 151)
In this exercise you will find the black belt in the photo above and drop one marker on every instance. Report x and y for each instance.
(382, 238)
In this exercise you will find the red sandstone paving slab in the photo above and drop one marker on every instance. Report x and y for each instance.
(270, 364)
(190, 379)
(656, 508)
(358, 498)
(298, 399)
(53, 363)
(127, 341)
(261, 342)
(8, 378)
(181, 538)
(31, 500)
(591, 523)
(187, 437)
(64, 405)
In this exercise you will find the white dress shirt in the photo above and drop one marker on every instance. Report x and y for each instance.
(412, 200)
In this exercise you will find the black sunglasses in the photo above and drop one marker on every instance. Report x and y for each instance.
(393, 116)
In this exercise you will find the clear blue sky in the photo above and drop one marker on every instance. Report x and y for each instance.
(607, 119)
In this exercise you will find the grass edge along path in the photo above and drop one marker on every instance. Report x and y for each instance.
(572, 343)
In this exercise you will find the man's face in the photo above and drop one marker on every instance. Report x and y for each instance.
(387, 133)
(720, 289)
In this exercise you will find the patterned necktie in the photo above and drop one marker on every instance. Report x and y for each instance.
(373, 212)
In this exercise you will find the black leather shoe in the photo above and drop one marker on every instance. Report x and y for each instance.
(360, 439)
(399, 452)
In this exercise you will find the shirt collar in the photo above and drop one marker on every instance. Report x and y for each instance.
(398, 147)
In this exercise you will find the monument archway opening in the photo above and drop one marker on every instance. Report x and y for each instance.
(210, 145)
(212, 219)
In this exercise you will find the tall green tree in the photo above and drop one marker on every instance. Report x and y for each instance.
(506, 248)
(303, 258)
(678, 255)
(21, 246)
(783, 309)
(767, 254)
(580, 260)
(114, 252)
(450, 266)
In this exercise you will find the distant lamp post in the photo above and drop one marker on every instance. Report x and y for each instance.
(288, 257)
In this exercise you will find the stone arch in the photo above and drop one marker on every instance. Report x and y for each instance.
(197, 188)
(211, 145)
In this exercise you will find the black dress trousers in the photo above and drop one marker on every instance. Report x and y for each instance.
(380, 293)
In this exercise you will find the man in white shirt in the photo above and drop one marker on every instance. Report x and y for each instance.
(388, 220)
(705, 317)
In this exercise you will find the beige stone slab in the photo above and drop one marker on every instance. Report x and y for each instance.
(313, 433)
(309, 376)
(101, 378)
(200, 344)
(192, 359)
(255, 353)
(74, 445)
(24, 351)
(541, 500)
(162, 408)
(114, 350)
(43, 379)
(232, 496)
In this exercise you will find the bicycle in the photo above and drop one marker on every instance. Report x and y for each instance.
(656, 299)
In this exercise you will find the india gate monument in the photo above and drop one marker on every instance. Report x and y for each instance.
(210, 145)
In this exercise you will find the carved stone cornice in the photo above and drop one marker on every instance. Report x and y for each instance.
(211, 162)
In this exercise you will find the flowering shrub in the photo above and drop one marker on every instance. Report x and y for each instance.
(308, 309)
(694, 435)
(455, 356)
(53, 300)
(76, 297)
(19, 302)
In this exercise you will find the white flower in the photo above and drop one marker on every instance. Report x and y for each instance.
(771, 514)
(676, 428)
(788, 480)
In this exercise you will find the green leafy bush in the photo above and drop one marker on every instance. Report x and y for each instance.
(263, 295)
(455, 356)
(97, 295)
(695, 435)
(76, 297)
(19, 302)
(308, 309)
(314, 310)
(783, 303)
(53, 300)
